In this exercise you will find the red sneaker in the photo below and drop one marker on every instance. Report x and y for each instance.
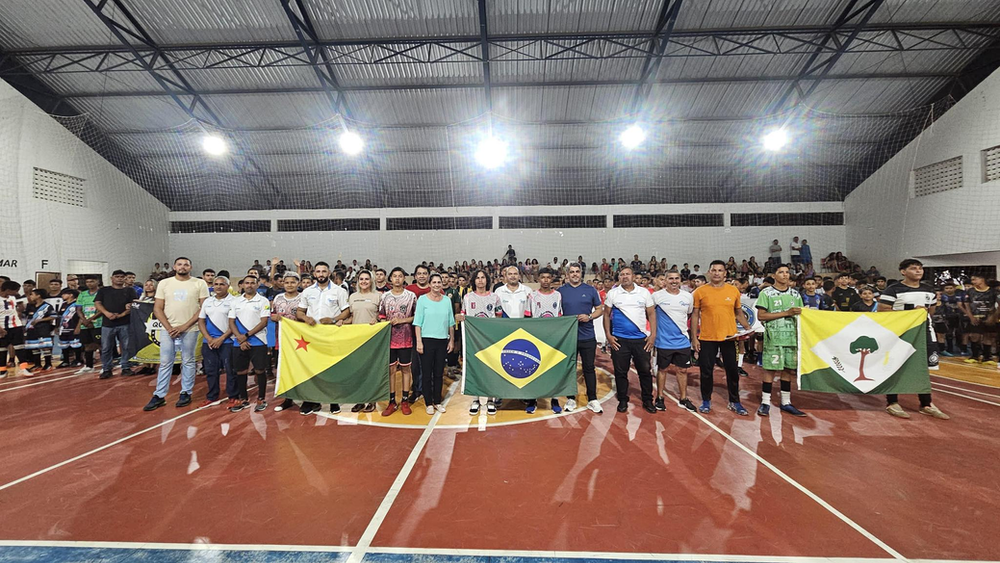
(389, 409)
(229, 404)
(405, 408)
(205, 403)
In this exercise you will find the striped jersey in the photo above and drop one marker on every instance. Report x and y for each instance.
(903, 297)
(8, 313)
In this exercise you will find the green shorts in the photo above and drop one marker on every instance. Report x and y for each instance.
(777, 358)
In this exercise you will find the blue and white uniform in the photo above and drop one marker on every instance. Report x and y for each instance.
(248, 314)
(672, 312)
(628, 311)
(514, 304)
(215, 311)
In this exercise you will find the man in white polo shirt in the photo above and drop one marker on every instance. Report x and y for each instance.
(515, 303)
(631, 309)
(217, 346)
(324, 303)
(248, 318)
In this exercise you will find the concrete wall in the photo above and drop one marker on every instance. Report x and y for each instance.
(885, 223)
(121, 225)
(236, 251)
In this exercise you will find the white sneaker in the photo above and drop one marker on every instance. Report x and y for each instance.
(25, 372)
(595, 406)
(439, 408)
(430, 410)
(84, 370)
(570, 404)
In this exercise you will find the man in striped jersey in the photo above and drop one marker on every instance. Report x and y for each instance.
(911, 293)
(11, 328)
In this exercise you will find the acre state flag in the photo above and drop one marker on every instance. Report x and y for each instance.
(520, 358)
(871, 353)
(333, 364)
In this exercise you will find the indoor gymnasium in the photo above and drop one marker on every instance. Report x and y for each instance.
(499, 280)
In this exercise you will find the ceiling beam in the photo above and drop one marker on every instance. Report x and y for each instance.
(661, 37)
(484, 53)
(169, 78)
(319, 61)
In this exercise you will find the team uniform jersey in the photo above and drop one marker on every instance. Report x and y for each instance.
(903, 297)
(8, 314)
(400, 306)
(781, 334)
(672, 312)
(68, 319)
(983, 304)
(86, 301)
(215, 311)
(814, 301)
(951, 305)
(860, 307)
(481, 306)
(38, 333)
(248, 314)
(514, 304)
(628, 311)
(844, 299)
(285, 306)
(545, 306)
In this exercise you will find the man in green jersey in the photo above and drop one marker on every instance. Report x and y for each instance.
(90, 323)
(777, 307)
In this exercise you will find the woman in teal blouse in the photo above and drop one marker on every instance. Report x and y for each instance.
(434, 324)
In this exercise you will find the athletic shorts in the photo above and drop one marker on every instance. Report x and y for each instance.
(256, 355)
(981, 328)
(401, 356)
(14, 337)
(90, 336)
(777, 358)
(679, 358)
(38, 343)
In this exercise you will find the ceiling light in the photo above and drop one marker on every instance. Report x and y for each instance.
(632, 137)
(214, 145)
(491, 153)
(351, 143)
(775, 140)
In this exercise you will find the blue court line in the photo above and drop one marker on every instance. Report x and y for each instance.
(26, 554)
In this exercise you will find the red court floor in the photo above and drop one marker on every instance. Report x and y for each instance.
(83, 463)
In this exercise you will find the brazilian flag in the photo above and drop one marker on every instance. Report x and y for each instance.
(520, 358)
(333, 364)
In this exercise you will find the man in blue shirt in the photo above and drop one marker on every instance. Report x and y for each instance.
(583, 302)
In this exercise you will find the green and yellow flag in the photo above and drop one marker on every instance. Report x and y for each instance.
(331, 364)
(520, 358)
(872, 353)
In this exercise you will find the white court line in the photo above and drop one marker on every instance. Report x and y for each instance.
(966, 382)
(12, 379)
(937, 390)
(106, 446)
(816, 498)
(993, 395)
(484, 553)
(358, 553)
(42, 382)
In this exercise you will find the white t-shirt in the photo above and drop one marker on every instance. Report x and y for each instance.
(248, 314)
(796, 247)
(514, 304)
(324, 303)
(215, 311)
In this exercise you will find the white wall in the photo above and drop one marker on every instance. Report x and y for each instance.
(958, 227)
(122, 225)
(236, 251)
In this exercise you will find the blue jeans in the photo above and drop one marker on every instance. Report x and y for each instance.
(109, 334)
(168, 353)
(214, 361)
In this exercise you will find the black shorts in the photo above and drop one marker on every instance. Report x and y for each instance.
(14, 337)
(982, 328)
(256, 355)
(90, 336)
(679, 358)
(401, 356)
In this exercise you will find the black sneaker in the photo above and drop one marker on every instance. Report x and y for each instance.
(184, 400)
(355, 408)
(309, 408)
(686, 404)
(370, 407)
(261, 405)
(105, 375)
(622, 406)
(285, 405)
(240, 406)
(660, 406)
(334, 408)
(649, 407)
(154, 403)
(742, 372)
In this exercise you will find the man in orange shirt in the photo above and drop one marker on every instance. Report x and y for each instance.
(716, 310)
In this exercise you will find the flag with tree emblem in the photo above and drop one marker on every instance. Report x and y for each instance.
(520, 358)
(872, 353)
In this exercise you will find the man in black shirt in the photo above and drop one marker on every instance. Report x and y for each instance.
(844, 297)
(114, 304)
(911, 293)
